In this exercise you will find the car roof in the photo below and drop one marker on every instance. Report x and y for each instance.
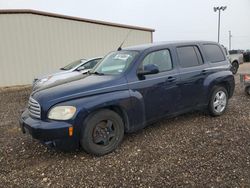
(94, 58)
(159, 44)
(83, 60)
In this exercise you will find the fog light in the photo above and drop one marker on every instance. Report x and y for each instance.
(70, 131)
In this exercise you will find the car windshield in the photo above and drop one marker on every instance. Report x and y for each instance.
(115, 63)
(73, 64)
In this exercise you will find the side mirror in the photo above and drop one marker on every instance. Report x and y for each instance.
(81, 68)
(149, 69)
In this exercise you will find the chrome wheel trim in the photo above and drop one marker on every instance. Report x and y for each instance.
(220, 101)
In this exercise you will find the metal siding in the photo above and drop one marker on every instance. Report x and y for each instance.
(33, 45)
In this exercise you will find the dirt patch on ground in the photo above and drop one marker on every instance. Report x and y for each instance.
(190, 150)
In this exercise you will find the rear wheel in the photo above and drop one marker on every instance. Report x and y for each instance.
(235, 67)
(218, 101)
(102, 132)
(247, 90)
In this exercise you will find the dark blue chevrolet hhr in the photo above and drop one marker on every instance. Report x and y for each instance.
(128, 90)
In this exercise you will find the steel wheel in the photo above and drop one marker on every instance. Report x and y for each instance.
(103, 133)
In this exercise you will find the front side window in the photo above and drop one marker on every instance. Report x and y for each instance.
(213, 53)
(115, 63)
(161, 58)
(189, 56)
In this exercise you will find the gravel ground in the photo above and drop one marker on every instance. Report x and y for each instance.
(190, 150)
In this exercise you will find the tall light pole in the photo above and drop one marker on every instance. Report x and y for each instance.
(230, 38)
(222, 8)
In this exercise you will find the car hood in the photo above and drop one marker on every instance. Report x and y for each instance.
(54, 73)
(77, 87)
(59, 78)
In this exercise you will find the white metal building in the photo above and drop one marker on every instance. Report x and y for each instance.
(34, 42)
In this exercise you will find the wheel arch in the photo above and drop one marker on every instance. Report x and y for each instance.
(225, 80)
(235, 61)
(227, 86)
(122, 113)
(224, 84)
(117, 109)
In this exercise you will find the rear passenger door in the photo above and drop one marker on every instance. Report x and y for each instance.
(193, 72)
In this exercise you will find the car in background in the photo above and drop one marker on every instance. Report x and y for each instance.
(235, 57)
(71, 70)
(245, 81)
(246, 56)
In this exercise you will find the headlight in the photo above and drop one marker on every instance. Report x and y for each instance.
(44, 79)
(62, 112)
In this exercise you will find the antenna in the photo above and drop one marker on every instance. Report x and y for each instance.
(120, 47)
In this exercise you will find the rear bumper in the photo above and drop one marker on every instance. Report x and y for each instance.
(56, 132)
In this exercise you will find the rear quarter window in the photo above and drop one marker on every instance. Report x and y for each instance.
(213, 53)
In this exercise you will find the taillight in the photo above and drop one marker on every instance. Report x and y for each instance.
(247, 77)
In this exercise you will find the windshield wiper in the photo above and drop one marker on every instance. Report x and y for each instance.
(96, 73)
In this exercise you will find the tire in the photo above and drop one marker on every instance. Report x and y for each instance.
(102, 132)
(247, 90)
(218, 101)
(235, 67)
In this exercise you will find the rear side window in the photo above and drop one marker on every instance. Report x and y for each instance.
(161, 58)
(189, 56)
(213, 53)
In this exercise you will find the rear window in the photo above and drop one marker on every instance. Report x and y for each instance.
(189, 56)
(213, 53)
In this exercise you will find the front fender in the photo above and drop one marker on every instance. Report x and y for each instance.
(112, 100)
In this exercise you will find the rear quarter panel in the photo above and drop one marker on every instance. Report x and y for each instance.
(224, 78)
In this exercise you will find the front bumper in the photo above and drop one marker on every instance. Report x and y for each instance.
(55, 132)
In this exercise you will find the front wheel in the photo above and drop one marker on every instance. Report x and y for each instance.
(218, 101)
(102, 132)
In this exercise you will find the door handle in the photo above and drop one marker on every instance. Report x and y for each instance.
(171, 79)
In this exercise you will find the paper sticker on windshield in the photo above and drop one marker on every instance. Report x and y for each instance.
(122, 56)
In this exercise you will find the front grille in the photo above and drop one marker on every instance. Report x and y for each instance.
(34, 108)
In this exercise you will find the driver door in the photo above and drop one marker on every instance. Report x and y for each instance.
(160, 91)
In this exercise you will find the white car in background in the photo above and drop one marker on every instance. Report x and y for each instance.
(235, 57)
(71, 70)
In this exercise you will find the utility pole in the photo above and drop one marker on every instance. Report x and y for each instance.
(222, 8)
(230, 40)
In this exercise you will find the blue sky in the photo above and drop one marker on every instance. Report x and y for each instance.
(172, 19)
